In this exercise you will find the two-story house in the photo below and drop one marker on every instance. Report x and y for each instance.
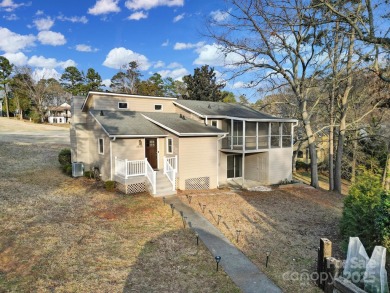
(162, 144)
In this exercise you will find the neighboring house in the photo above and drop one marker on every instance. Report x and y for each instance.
(163, 144)
(322, 148)
(59, 114)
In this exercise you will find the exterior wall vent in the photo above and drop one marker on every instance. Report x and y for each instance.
(77, 169)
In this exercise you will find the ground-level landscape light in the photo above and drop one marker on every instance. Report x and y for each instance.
(219, 218)
(197, 239)
(217, 259)
(172, 208)
(238, 234)
(184, 222)
(266, 261)
(164, 200)
(204, 207)
(189, 199)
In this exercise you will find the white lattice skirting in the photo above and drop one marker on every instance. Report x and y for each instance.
(199, 183)
(132, 187)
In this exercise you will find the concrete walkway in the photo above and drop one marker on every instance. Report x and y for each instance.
(240, 269)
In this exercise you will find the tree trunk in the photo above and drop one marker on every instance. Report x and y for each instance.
(6, 101)
(386, 173)
(331, 145)
(354, 157)
(295, 156)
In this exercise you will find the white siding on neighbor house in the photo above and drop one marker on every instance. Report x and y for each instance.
(133, 104)
(280, 165)
(256, 167)
(197, 158)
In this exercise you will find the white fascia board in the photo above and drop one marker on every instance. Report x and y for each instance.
(124, 96)
(204, 134)
(137, 136)
(99, 124)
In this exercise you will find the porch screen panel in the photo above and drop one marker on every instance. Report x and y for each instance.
(250, 135)
(275, 134)
(286, 134)
(237, 133)
(263, 135)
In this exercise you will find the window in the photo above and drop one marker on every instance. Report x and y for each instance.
(101, 146)
(300, 154)
(158, 107)
(122, 105)
(214, 123)
(169, 145)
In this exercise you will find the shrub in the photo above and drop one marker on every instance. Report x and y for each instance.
(302, 166)
(366, 212)
(109, 185)
(64, 157)
(67, 169)
(89, 174)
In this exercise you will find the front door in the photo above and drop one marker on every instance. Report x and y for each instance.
(151, 151)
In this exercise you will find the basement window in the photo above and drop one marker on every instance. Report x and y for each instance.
(122, 105)
(158, 107)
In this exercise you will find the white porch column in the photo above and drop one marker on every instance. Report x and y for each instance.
(243, 154)
(257, 135)
(231, 133)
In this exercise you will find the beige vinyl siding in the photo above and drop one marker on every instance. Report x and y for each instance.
(197, 158)
(256, 167)
(133, 104)
(128, 149)
(222, 175)
(280, 166)
(188, 114)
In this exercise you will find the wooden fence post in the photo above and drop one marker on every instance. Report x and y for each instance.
(324, 251)
(332, 268)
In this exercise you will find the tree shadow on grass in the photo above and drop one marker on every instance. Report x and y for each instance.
(173, 262)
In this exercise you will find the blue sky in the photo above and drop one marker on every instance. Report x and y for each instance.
(163, 36)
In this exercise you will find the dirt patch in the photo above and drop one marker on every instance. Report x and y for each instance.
(286, 224)
(112, 213)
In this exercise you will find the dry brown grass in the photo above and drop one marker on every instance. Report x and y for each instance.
(59, 234)
(286, 222)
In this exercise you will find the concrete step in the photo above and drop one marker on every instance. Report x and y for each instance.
(165, 193)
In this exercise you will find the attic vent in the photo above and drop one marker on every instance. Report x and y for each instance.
(182, 117)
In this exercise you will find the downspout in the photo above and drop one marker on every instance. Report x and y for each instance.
(220, 138)
(111, 140)
(295, 124)
(206, 121)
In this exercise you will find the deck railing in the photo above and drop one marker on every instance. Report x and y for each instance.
(170, 169)
(126, 169)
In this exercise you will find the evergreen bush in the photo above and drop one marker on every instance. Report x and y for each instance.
(64, 157)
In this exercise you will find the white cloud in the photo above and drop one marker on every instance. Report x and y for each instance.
(178, 17)
(45, 73)
(49, 63)
(185, 46)
(74, 19)
(239, 85)
(11, 42)
(166, 43)
(17, 59)
(159, 64)
(9, 5)
(149, 4)
(104, 7)
(11, 17)
(174, 65)
(44, 24)
(219, 15)
(176, 74)
(213, 55)
(119, 57)
(138, 15)
(51, 38)
(106, 82)
(85, 48)
(39, 12)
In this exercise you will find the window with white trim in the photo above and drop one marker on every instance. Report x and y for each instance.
(122, 105)
(101, 146)
(169, 145)
(214, 123)
(158, 107)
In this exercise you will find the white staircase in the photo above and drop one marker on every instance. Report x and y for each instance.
(163, 185)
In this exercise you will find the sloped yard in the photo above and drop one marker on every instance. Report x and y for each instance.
(59, 234)
(286, 223)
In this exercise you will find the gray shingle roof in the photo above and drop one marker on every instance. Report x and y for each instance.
(126, 123)
(182, 126)
(223, 109)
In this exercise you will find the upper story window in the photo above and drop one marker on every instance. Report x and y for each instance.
(101, 146)
(214, 123)
(158, 107)
(122, 105)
